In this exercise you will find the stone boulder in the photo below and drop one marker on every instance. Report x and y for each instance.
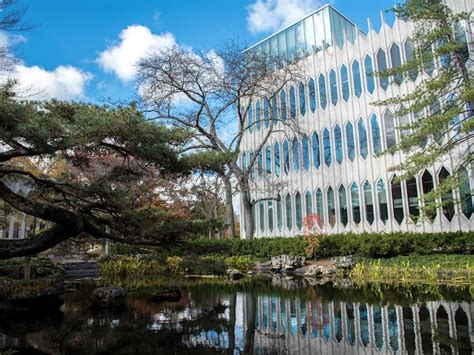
(111, 296)
(343, 262)
(234, 274)
(287, 262)
(166, 295)
(320, 271)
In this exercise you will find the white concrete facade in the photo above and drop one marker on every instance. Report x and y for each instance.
(350, 185)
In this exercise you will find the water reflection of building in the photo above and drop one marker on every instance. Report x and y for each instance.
(302, 327)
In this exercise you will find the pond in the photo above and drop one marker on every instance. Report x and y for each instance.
(256, 316)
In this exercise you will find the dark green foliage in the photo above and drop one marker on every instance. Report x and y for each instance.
(204, 266)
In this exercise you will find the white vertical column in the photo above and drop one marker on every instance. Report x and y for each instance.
(11, 226)
(401, 330)
(21, 232)
(386, 338)
(434, 325)
(416, 328)
(357, 338)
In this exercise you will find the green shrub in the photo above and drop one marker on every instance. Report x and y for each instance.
(131, 266)
(241, 262)
(208, 265)
(45, 266)
(173, 264)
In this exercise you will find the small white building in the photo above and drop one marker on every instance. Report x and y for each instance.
(333, 165)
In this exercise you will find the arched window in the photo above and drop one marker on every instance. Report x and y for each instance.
(356, 80)
(305, 144)
(362, 131)
(252, 165)
(355, 201)
(250, 116)
(298, 211)
(376, 138)
(283, 105)
(390, 136)
(323, 101)
(268, 160)
(331, 208)
(465, 192)
(270, 216)
(289, 215)
(296, 155)
(343, 205)
(315, 148)
(428, 185)
(428, 64)
(286, 157)
(254, 217)
(369, 74)
(333, 86)
(312, 95)
(345, 83)
(338, 144)
(274, 109)
(350, 141)
(292, 102)
(320, 206)
(409, 55)
(302, 98)
(396, 60)
(276, 155)
(397, 200)
(308, 202)
(369, 203)
(447, 198)
(327, 147)
(382, 66)
(261, 213)
(279, 213)
(412, 194)
(258, 112)
(266, 112)
(404, 124)
(382, 197)
(244, 161)
(260, 164)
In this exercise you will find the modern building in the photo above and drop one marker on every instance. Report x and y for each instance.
(333, 166)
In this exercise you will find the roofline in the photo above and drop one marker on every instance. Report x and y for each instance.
(302, 19)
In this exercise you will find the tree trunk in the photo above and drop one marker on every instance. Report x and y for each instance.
(247, 207)
(229, 206)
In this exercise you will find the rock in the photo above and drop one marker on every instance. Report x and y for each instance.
(167, 295)
(287, 262)
(111, 296)
(343, 262)
(263, 267)
(300, 271)
(234, 274)
(320, 271)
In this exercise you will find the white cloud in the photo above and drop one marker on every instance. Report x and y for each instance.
(63, 83)
(272, 15)
(135, 42)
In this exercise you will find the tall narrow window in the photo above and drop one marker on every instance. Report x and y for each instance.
(376, 138)
(258, 112)
(397, 200)
(345, 83)
(333, 86)
(331, 208)
(292, 102)
(382, 197)
(435, 109)
(343, 205)
(266, 112)
(254, 217)
(279, 213)
(465, 192)
(308, 203)
(390, 136)
(369, 74)
(355, 201)
(312, 95)
(261, 213)
(250, 116)
(270, 216)
(305, 144)
(369, 203)
(428, 185)
(382, 66)
(252, 165)
(428, 64)
(412, 194)
(268, 160)
(350, 141)
(396, 59)
(302, 98)
(274, 109)
(338, 144)
(363, 147)
(296, 155)
(447, 198)
(356, 80)
(298, 211)
(289, 214)
(409, 55)
(276, 155)
(327, 147)
(323, 101)
(315, 148)
(320, 207)
(404, 124)
(286, 157)
(260, 164)
(244, 161)
(283, 105)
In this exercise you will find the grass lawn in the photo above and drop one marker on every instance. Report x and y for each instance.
(450, 261)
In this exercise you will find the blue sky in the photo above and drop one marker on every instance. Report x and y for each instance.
(83, 49)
